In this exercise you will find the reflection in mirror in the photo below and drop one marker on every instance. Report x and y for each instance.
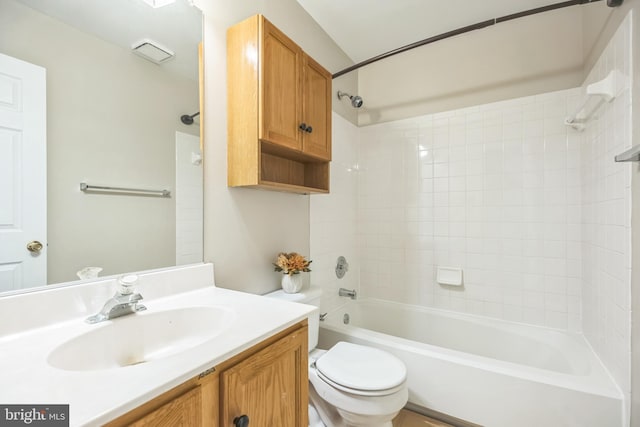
(77, 105)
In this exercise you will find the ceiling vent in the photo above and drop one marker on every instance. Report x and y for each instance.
(152, 51)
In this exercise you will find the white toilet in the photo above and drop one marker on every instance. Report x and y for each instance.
(350, 385)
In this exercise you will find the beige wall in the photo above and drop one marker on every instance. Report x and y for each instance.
(244, 228)
(111, 120)
(517, 58)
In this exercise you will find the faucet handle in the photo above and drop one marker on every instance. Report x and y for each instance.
(126, 283)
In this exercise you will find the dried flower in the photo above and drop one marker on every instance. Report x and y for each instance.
(291, 263)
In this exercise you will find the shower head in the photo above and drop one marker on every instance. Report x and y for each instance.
(356, 101)
(188, 119)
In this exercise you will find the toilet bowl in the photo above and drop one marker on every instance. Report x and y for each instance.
(363, 385)
(350, 385)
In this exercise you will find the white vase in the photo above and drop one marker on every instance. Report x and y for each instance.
(291, 283)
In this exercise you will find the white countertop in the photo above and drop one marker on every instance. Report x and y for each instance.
(96, 397)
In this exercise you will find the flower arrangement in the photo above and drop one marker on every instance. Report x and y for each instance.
(291, 263)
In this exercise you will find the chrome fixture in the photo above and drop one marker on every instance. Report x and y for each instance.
(323, 316)
(351, 293)
(356, 101)
(342, 267)
(84, 187)
(631, 155)
(124, 302)
(346, 319)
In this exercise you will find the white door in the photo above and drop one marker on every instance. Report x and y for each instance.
(23, 174)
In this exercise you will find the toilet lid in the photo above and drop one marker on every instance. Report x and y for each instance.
(359, 367)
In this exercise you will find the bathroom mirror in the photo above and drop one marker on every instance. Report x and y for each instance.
(113, 119)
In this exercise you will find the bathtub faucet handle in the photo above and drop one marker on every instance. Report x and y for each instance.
(351, 293)
(323, 316)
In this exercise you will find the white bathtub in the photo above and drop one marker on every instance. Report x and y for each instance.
(485, 371)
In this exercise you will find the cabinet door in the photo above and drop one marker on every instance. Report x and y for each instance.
(280, 101)
(269, 387)
(183, 411)
(316, 110)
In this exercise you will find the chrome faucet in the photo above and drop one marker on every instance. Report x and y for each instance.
(124, 302)
(351, 293)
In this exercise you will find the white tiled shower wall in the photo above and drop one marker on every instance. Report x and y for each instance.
(493, 189)
(333, 218)
(606, 215)
(536, 213)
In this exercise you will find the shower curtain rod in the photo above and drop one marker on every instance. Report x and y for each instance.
(462, 30)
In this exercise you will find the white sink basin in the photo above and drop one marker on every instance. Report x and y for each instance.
(140, 338)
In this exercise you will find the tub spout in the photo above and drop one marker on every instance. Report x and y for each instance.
(351, 293)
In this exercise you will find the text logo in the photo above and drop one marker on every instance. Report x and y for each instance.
(34, 415)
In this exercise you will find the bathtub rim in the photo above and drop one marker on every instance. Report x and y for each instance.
(598, 381)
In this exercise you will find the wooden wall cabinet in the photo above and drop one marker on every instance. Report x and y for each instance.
(267, 383)
(279, 111)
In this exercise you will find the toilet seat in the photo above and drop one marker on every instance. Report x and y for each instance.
(361, 370)
(327, 398)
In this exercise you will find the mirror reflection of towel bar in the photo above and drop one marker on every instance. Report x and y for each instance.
(142, 192)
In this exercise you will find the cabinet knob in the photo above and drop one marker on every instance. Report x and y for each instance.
(303, 126)
(241, 421)
(309, 129)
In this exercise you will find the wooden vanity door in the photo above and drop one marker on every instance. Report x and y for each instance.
(183, 411)
(269, 387)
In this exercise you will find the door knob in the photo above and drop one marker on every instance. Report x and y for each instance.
(241, 421)
(34, 247)
(303, 126)
(309, 129)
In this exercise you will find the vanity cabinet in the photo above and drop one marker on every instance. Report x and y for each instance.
(267, 384)
(184, 410)
(269, 387)
(187, 405)
(279, 111)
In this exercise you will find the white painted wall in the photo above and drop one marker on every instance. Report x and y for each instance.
(245, 229)
(527, 56)
(111, 120)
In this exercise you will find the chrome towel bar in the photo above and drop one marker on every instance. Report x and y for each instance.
(142, 192)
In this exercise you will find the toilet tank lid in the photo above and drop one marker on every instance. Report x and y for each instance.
(304, 296)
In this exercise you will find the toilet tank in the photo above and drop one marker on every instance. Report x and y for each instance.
(311, 296)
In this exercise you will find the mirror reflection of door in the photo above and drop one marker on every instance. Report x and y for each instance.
(23, 172)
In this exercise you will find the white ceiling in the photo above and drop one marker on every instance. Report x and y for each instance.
(366, 28)
(177, 26)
